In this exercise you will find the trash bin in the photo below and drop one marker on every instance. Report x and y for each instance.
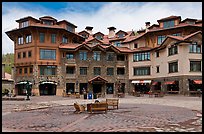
(95, 96)
(85, 96)
(90, 96)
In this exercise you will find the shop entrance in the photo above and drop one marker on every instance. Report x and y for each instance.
(83, 86)
(47, 89)
(143, 88)
(97, 88)
(70, 88)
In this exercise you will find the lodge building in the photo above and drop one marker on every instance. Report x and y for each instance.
(55, 58)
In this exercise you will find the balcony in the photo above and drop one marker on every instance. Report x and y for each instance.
(68, 61)
(70, 76)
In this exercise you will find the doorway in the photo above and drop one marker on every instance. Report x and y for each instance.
(97, 88)
(47, 89)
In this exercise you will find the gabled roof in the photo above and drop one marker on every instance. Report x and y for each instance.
(84, 31)
(26, 18)
(187, 19)
(98, 78)
(169, 18)
(67, 22)
(122, 31)
(178, 38)
(98, 33)
(47, 18)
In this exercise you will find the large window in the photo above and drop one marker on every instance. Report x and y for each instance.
(141, 56)
(20, 40)
(20, 70)
(29, 53)
(173, 67)
(24, 54)
(53, 38)
(47, 22)
(141, 70)
(110, 71)
(83, 55)
(46, 54)
(109, 56)
(120, 71)
(47, 70)
(168, 24)
(173, 50)
(69, 55)
(194, 48)
(42, 37)
(195, 66)
(97, 71)
(120, 57)
(64, 39)
(157, 54)
(19, 55)
(83, 70)
(28, 38)
(31, 70)
(25, 70)
(24, 24)
(160, 39)
(97, 56)
(70, 70)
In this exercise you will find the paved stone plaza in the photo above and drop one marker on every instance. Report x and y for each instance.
(135, 114)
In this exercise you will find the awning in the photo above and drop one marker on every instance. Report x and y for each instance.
(197, 81)
(48, 82)
(154, 83)
(24, 82)
(141, 81)
(169, 82)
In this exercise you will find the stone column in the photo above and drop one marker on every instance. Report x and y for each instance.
(3, 70)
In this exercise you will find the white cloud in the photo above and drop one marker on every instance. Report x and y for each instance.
(123, 16)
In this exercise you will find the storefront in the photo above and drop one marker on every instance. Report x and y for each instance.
(195, 86)
(142, 86)
(156, 86)
(98, 84)
(21, 87)
(172, 87)
(47, 88)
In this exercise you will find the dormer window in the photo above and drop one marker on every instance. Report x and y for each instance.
(47, 22)
(121, 35)
(99, 37)
(70, 28)
(64, 39)
(117, 44)
(168, 24)
(24, 24)
(85, 36)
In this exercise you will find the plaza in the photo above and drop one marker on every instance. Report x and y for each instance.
(171, 113)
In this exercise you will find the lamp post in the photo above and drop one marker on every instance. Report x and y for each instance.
(27, 90)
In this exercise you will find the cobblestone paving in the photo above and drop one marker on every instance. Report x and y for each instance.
(128, 118)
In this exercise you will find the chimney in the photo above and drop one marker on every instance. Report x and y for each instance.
(12, 72)
(147, 24)
(89, 29)
(3, 70)
(111, 32)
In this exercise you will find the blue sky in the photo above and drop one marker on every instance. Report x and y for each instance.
(125, 16)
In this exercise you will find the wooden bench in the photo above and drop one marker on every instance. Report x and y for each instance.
(112, 102)
(99, 106)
